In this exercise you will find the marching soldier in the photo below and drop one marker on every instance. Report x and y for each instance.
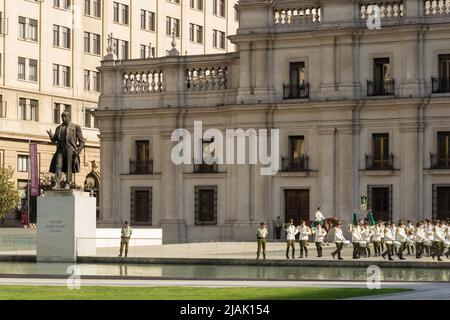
(338, 240)
(319, 233)
(304, 233)
(409, 233)
(419, 238)
(376, 239)
(438, 242)
(291, 231)
(389, 239)
(261, 235)
(402, 238)
(356, 238)
(429, 237)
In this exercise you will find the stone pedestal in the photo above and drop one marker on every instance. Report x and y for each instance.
(63, 216)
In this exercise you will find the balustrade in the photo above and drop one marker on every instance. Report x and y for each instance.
(143, 82)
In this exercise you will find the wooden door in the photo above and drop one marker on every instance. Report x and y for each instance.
(296, 205)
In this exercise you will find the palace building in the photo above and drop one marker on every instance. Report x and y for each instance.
(362, 112)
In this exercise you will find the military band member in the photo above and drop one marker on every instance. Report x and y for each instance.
(419, 238)
(438, 242)
(402, 238)
(378, 234)
(356, 238)
(304, 233)
(389, 239)
(291, 231)
(410, 234)
(261, 235)
(338, 240)
(366, 234)
(319, 234)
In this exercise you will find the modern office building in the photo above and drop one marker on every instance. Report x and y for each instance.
(362, 112)
(50, 51)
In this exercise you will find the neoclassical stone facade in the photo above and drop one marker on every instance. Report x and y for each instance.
(362, 113)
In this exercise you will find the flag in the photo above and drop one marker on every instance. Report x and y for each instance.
(34, 171)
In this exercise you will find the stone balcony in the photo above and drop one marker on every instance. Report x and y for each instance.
(172, 81)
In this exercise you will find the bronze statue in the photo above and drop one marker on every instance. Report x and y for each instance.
(70, 143)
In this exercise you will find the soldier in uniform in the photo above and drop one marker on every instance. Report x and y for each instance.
(277, 224)
(389, 238)
(338, 240)
(304, 233)
(125, 238)
(438, 242)
(419, 238)
(402, 238)
(356, 238)
(319, 233)
(261, 235)
(291, 231)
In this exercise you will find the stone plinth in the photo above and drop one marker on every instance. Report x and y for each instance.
(63, 216)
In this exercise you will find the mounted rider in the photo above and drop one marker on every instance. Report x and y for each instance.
(319, 218)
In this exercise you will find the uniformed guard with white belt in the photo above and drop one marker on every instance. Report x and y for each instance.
(261, 235)
(125, 238)
(291, 231)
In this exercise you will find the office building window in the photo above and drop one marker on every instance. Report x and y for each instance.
(61, 37)
(89, 120)
(218, 39)
(87, 42)
(147, 20)
(87, 80)
(28, 109)
(172, 24)
(120, 48)
(21, 68)
(96, 80)
(33, 30)
(62, 4)
(58, 109)
(28, 29)
(379, 200)
(61, 75)
(32, 67)
(195, 33)
(87, 7)
(97, 8)
(206, 205)
(22, 26)
(219, 7)
(197, 4)
(22, 163)
(96, 43)
(121, 13)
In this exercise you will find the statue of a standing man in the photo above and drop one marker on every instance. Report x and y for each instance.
(70, 143)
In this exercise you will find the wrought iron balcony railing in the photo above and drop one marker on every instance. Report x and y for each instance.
(206, 168)
(141, 167)
(440, 85)
(294, 165)
(440, 161)
(296, 91)
(380, 88)
(373, 163)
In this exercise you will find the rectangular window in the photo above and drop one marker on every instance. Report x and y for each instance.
(87, 42)
(34, 109)
(58, 109)
(87, 80)
(379, 198)
(172, 24)
(33, 30)
(141, 206)
(151, 20)
(124, 15)
(199, 32)
(96, 43)
(96, 80)
(2, 107)
(22, 26)
(143, 20)
(116, 12)
(22, 112)
(206, 205)
(22, 163)
(97, 7)
(88, 118)
(441, 202)
(215, 2)
(65, 37)
(124, 50)
(218, 39)
(143, 51)
(443, 149)
(222, 39)
(56, 35)
(444, 66)
(380, 145)
(56, 75)
(87, 7)
(222, 8)
(21, 68)
(191, 32)
(66, 76)
(33, 70)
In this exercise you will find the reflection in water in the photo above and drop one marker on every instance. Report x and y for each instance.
(224, 272)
